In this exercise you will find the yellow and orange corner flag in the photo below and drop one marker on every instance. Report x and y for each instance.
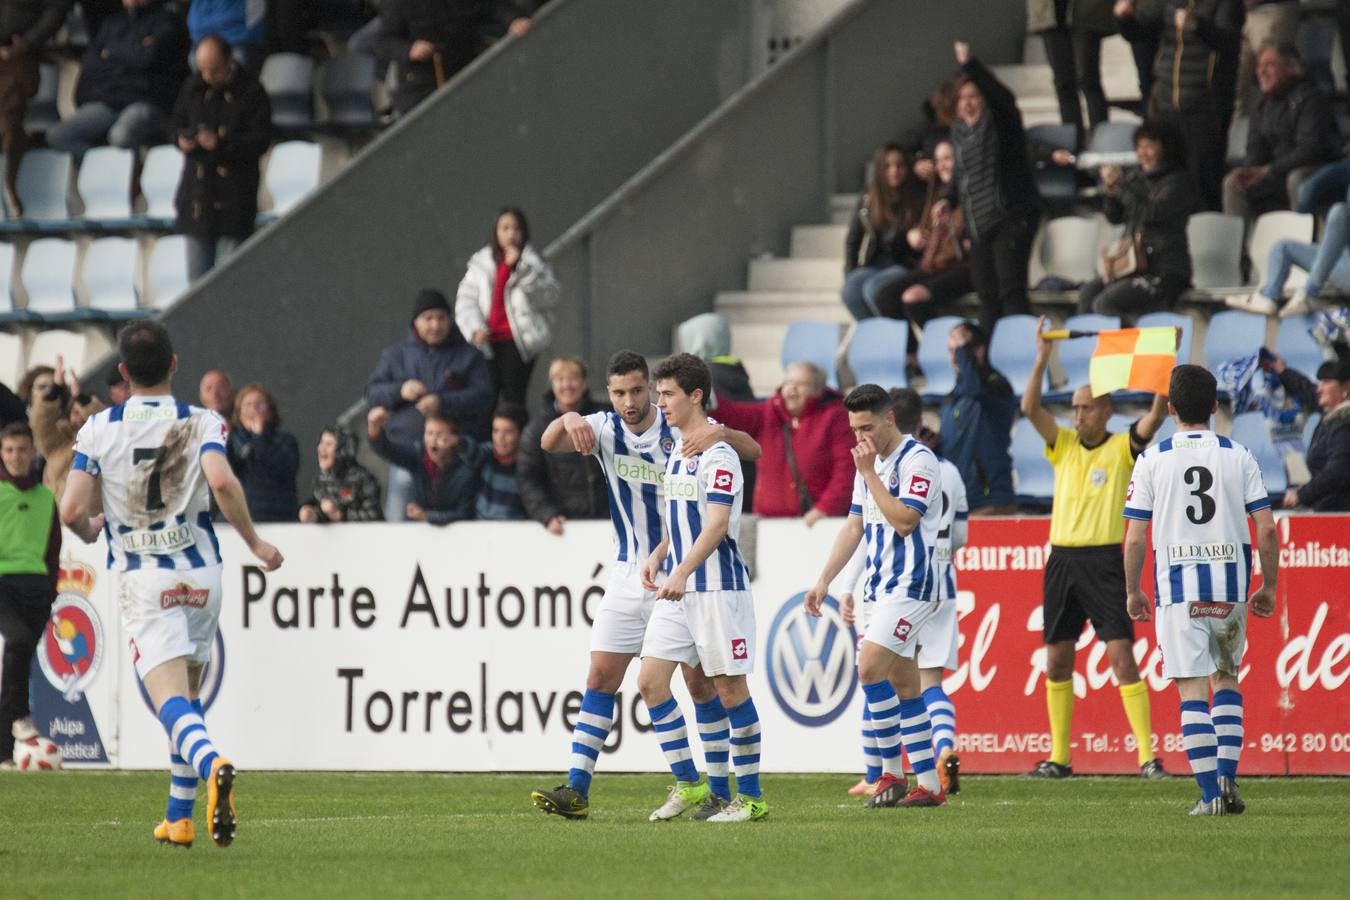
(1137, 359)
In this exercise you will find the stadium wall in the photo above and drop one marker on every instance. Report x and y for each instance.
(403, 647)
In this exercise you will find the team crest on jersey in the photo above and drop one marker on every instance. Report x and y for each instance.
(895, 479)
(902, 629)
(919, 485)
(71, 649)
(722, 480)
(1098, 477)
(691, 465)
(667, 444)
(739, 650)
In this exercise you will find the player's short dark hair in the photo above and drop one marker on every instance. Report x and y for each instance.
(626, 361)
(18, 429)
(511, 411)
(146, 351)
(871, 398)
(686, 370)
(908, 407)
(439, 416)
(1192, 392)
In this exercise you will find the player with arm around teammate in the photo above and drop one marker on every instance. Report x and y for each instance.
(896, 508)
(148, 462)
(632, 444)
(1197, 490)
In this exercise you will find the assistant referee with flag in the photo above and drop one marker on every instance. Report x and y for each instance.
(1085, 574)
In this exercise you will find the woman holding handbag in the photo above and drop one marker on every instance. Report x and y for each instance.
(1149, 267)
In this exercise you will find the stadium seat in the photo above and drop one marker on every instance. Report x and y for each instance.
(1167, 319)
(1012, 350)
(110, 276)
(1232, 335)
(1296, 345)
(43, 185)
(1119, 423)
(813, 342)
(8, 311)
(1165, 430)
(1215, 242)
(104, 185)
(42, 110)
(1250, 430)
(346, 83)
(1112, 137)
(1069, 248)
(159, 182)
(1035, 476)
(877, 352)
(292, 172)
(1309, 426)
(11, 359)
(1055, 182)
(167, 274)
(288, 79)
(934, 360)
(48, 276)
(1275, 226)
(1075, 354)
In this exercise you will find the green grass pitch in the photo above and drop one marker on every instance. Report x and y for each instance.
(87, 834)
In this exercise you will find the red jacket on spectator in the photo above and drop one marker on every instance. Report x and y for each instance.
(822, 445)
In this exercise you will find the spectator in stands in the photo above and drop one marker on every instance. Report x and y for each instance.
(939, 112)
(223, 123)
(433, 370)
(12, 406)
(806, 468)
(445, 469)
(1329, 450)
(344, 490)
(55, 416)
(555, 487)
(95, 11)
(708, 337)
(1326, 186)
(499, 496)
(25, 28)
(505, 302)
(506, 17)
(1292, 133)
(1267, 22)
(427, 42)
(129, 77)
(875, 252)
(976, 423)
(216, 393)
(264, 458)
(1072, 31)
(1327, 264)
(1154, 203)
(35, 383)
(1194, 73)
(1143, 49)
(118, 388)
(995, 188)
(241, 23)
(942, 275)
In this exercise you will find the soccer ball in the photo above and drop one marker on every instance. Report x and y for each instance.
(36, 754)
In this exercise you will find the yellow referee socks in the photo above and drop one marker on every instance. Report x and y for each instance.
(1059, 703)
(1134, 697)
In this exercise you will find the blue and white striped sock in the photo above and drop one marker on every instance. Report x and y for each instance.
(187, 731)
(714, 733)
(588, 738)
(884, 707)
(942, 714)
(745, 747)
(182, 782)
(871, 752)
(1201, 743)
(674, 737)
(1227, 717)
(917, 735)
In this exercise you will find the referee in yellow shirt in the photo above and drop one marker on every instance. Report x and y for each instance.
(1085, 574)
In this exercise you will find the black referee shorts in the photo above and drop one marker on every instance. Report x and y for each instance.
(1085, 584)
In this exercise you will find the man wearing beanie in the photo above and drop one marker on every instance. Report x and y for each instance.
(1329, 449)
(433, 370)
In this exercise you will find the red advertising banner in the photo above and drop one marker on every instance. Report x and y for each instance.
(1293, 676)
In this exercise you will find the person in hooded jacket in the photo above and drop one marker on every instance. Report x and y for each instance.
(344, 490)
(555, 487)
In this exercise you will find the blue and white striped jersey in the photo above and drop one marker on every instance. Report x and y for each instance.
(634, 467)
(955, 508)
(1198, 488)
(146, 453)
(901, 566)
(691, 486)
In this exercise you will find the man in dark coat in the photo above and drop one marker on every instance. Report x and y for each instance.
(25, 28)
(1329, 449)
(555, 487)
(977, 419)
(223, 123)
(129, 78)
(427, 42)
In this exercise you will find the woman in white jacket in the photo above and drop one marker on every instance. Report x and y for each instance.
(505, 302)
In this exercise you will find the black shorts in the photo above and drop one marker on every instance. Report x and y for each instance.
(1085, 584)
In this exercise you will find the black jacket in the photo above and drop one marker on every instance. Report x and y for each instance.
(865, 247)
(452, 25)
(266, 465)
(1291, 130)
(1329, 461)
(37, 20)
(1158, 205)
(446, 495)
(454, 370)
(218, 192)
(139, 55)
(1197, 66)
(552, 484)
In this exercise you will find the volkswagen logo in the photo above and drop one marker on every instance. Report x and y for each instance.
(811, 669)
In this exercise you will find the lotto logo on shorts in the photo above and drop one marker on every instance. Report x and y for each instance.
(722, 480)
(184, 595)
(902, 630)
(918, 485)
(1210, 610)
(739, 649)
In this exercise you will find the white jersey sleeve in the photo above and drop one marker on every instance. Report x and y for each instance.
(598, 422)
(722, 477)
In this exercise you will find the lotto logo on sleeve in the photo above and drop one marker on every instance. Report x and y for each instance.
(1129, 491)
(902, 629)
(738, 649)
(722, 480)
(919, 485)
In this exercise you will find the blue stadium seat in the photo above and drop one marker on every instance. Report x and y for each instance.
(1035, 476)
(877, 352)
(166, 273)
(43, 185)
(1250, 430)
(110, 277)
(288, 79)
(1165, 430)
(1309, 426)
(1295, 344)
(1166, 319)
(1075, 354)
(1215, 242)
(104, 185)
(159, 182)
(346, 83)
(1119, 423)
(1055, 182)
(1232, 335)
(1012, 350)
(933, 358)
(48, 275)
(1068, 247)
(292, 172)
(813, 342)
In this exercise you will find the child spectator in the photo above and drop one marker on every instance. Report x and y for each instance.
(499, 496)
(344, 490)
(445, 473)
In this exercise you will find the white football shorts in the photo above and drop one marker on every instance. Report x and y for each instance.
(621, 621)
(863, 615)
(170, 613)
(1201, 637)
(897, 623)
(715, 628)
(938, 636)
